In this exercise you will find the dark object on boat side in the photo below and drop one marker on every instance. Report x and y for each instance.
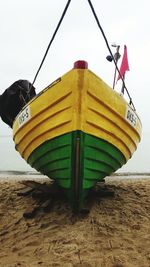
(14, 99)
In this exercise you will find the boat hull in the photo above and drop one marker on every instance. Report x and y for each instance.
(76, 161)
(77, 131)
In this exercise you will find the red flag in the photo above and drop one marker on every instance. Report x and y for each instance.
(124, 65)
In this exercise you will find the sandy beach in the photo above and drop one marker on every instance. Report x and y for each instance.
(115, 233)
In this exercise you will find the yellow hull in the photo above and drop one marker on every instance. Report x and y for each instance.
(79, 100)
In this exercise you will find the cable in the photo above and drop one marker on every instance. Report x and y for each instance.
(104, 36)
(52, 39)
(97, 20)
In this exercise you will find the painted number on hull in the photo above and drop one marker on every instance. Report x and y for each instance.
(24, 116)
(131, 117)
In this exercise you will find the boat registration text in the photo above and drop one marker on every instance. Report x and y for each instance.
(131, 116)
(24, 116)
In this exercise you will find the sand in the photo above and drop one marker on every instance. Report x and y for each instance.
(115, 233)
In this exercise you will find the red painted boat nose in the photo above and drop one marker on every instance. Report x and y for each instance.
(80, 64)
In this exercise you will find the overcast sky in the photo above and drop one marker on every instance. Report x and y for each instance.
(26, 27)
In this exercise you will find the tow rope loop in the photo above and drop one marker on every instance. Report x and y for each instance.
(52, 39)
(98, 23)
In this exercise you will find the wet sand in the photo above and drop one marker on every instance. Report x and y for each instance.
(115, 233)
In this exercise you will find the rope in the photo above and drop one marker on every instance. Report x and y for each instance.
(52, 39)
(104, 36)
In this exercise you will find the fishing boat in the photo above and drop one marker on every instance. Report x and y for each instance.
(77, 131)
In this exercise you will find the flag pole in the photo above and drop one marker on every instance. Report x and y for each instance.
(123, 68)
(122, 89)
(116, 57)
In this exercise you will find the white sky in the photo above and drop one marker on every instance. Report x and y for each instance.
(26, 27)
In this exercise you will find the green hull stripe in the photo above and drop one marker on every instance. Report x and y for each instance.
(76, 161)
